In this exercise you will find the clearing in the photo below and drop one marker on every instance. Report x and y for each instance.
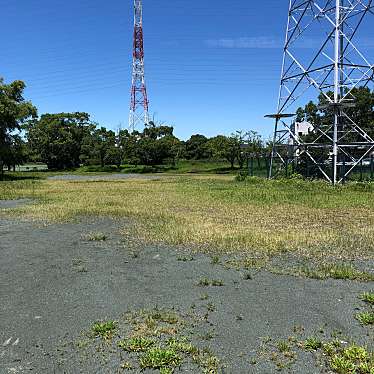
(197, 274)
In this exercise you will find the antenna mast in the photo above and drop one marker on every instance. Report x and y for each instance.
(139, 100)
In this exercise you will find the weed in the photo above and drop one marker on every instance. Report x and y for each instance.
(247, 276)
(127, 365)
(204, 296)
(166, 370)
(96, 237)
(217, 283)
(82, 343)
(312, 344)
(104, 329)
(207, 282)
(365, 318)
(351, 360)
(335, 271)
(283, 346)
(368, 297)
(81, 269)
(136, 344)
(185, 258)
(165, 316)
(211, 307)
(157, 358)
(215, 260)
(182, 346)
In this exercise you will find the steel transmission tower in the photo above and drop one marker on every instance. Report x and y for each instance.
(139, 100)
(321, 59)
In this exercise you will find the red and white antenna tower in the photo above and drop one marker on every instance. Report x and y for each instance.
(139, 100)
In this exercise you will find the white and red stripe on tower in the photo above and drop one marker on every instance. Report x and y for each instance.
(139, 100)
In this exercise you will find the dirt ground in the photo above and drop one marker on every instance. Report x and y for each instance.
(56, 282)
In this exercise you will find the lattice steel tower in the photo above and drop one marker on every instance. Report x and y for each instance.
(139, 100)
(321, 58)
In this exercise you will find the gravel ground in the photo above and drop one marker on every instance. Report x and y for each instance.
(9, 204)
(73, 177)
(56, 282)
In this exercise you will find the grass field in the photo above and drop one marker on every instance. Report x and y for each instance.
(216, 212)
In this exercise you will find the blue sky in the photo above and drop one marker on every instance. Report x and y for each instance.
(212, 66)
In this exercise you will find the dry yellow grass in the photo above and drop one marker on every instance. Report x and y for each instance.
(219, 213)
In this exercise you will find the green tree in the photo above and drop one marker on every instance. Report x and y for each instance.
(14, 111)
(321, 116)
(98, 145)
(57, 139)
(223, 147)
(196, 147)
(156, 144)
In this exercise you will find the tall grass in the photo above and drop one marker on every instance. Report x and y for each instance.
(219, 213)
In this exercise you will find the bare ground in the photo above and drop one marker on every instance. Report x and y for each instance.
(55, 283)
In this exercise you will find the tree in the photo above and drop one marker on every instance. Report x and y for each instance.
(14, 111)
(321, 116)
(57, 139)
(223, 147)
(17, 153)
(196, 147)
(99, 145)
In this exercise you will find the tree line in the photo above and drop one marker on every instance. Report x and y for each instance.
(68, 140)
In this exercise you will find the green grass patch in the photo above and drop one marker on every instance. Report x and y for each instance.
(365, 318)
(368, 297)
(97, 237)
(217, 214)
(335, 271)
(137, 344)
(104, 329)
(353, 359)
(158, 357)
(312, 344)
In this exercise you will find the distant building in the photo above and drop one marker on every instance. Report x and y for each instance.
(300, 129)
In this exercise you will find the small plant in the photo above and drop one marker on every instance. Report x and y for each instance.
(165, 316)
(353, 359)
(312, 344)
(166, 371)
(247, 276)
(81, 269)
(97, 237)
(365, 318)
(157, 358)
(283, 346)
(185, 258)
(136, 344)
(241, 176)
(210, 364)
(215, 260)
(127, 365)
(368, 297)
(216, 283)
(104, 329)
(206, 283)
(204, 296)
(211, 307)
(182, 346)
